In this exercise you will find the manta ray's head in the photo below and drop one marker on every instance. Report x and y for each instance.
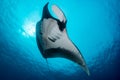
(61, 19)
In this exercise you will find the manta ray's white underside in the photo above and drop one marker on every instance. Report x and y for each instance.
(52, 38)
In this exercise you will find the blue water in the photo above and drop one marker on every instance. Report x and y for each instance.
(93, 25)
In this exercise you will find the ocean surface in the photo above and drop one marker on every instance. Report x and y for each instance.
(93, 25)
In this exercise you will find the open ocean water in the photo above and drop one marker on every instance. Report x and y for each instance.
(93, 25)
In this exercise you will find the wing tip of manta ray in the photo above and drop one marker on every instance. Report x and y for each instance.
(86, 70)
(46, 13)
(46, 3)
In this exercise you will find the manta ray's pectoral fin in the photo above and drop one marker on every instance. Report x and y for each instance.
(70, 51)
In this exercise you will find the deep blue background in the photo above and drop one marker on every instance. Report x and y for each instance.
(93, 25)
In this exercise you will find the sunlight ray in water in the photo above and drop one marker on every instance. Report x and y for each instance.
(29, 29)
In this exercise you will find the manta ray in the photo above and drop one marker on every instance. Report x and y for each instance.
(52, 38)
